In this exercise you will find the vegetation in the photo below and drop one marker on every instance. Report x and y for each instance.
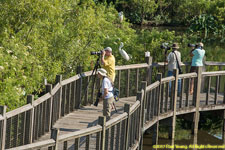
(40, 38)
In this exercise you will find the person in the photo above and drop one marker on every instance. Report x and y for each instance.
(106, 90)
(172, 64)
(108, 62)
(197, 55)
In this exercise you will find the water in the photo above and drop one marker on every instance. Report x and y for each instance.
(209, 133)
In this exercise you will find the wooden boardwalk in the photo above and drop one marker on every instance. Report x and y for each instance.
(86, 117)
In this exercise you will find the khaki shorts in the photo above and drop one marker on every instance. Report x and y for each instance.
(107, 106)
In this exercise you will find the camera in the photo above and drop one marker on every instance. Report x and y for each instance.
(99, 94)
(165, 46)
(191, 45)
(97, 53)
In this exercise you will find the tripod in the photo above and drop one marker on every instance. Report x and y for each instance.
(97, 65)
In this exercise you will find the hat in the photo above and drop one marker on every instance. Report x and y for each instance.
(200, 44)
(108, 49)
(175, 46)
(102, 71)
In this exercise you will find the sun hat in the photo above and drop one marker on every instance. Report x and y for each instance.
(102, 72)
(108, 49)
(175, 46)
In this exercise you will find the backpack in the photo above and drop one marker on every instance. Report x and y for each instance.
(116, 93)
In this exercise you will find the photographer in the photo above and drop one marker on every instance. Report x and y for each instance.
(107, 95)
(108, 62)
(172, 59)
(197, 55)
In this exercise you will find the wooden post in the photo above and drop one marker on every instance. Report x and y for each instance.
(3, 112)
(148, 59)
(79, 89)
(139, 98)
(158, 98)
(54, 136)
(143, 87)
(30, 120)
(51, 110)
(127, 136)
(223, 133)
(160, 103)
(197, 102)
(175, 72)
(59, 80)
(128, 83)
(101, 122)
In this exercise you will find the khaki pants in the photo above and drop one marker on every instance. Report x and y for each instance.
(107, 107)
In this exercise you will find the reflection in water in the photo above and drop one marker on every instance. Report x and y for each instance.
(209, 133)
(203, 139)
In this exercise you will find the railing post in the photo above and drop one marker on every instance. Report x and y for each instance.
(102, 122)
(78, 89)
(127, 137)
(30, 121)
(49, 90)
(59, 80)
(142, 98)
(156, 126)
(54, 136)
(139, 98)
(173, 122)
(148, 59)
(3, 112)
(197, 102)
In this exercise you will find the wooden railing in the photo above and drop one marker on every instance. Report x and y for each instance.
(26, 124)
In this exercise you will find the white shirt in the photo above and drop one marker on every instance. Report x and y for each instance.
(172, 61)
(106, 84)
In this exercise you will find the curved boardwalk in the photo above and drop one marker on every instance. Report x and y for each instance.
(63, 118)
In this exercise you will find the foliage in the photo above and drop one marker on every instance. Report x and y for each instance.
(40, 39)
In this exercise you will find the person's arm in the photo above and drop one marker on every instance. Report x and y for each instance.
(103, 58)
(191, 54)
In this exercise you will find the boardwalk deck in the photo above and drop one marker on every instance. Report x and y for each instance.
(86, 117)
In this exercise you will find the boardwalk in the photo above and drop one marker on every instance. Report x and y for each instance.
(86, 117)
(63, 118)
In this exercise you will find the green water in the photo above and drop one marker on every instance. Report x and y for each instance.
(209, 133)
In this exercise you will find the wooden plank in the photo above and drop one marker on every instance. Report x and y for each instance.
(42, 99)
(36, 145)
(152, 86)
(216, 90)
(133, 66)
(18, 110)
(213, 73)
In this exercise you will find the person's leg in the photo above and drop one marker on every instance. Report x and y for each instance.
(193, 69)
(107, 107)
(170, 73)
(179, 86)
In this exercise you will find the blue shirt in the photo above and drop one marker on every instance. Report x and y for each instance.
(198, 57)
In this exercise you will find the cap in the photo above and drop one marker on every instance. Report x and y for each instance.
(108, 49)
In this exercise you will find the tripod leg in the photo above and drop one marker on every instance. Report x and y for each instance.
(114, 106)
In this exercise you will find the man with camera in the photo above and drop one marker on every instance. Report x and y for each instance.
(197, 53)
(174, 59)
(108, 62)
(106, 92)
